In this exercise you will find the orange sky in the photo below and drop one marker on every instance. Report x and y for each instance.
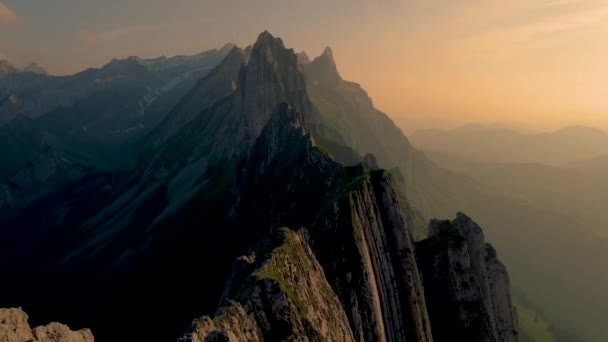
(542, 64)
(535, 63)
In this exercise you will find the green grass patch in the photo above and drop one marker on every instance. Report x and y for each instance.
(533, 326)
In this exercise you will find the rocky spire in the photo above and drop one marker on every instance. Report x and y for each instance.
(227, 47)
(303, 57)
(467, 289)
(271, 76)
(323, 69)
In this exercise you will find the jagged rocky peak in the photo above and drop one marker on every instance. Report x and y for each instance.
(227, 47)
(271, 76)
(467, 289)
(234, 112)
(328, 55)
(323, 69)
(303, 57)
(14, 327)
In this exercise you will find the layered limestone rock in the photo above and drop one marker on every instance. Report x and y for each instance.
(505, 315)
(271, 76)
(15, 328)
(364, 245)
(493, 279)
(285, 298)
(466, 287)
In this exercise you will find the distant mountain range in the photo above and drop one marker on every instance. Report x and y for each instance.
(529, 176)
(7, 68)
(480, 143)
(266, 195)
(91, 115)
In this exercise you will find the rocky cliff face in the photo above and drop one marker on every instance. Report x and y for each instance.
(15, 328)
(364, 243)
(466, 286)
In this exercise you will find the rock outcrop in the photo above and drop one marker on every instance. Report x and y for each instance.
(285, 298)
(303, 57)
(14, 327)
(364, 243)
(467, 288)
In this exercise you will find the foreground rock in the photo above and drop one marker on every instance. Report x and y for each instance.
(285, 298)
(15, 328)
(467, 289)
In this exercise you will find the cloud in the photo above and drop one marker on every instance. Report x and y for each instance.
(93, 38)
(8, 17)
(525, 22)
(574, 20)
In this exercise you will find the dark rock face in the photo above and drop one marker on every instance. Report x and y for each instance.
(220, 83)
(466, 287)
(303, 57)
(15, 328)
(45, 174)
(371, 262)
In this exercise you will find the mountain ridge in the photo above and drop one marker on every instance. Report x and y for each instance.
(223, 183)
(478, 143)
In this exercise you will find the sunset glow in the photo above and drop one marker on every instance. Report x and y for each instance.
(534, 63)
